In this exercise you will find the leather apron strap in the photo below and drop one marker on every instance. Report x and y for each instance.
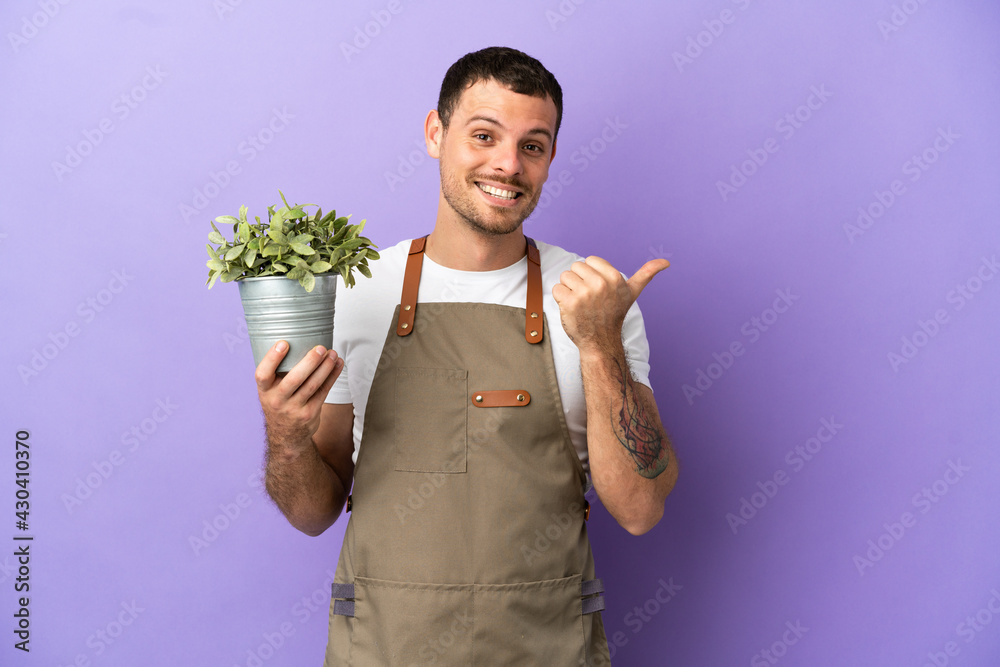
(533, 330)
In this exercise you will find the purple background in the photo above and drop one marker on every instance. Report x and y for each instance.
(646, 139)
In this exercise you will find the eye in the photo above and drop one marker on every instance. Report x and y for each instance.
(534, 148)
(482, 136)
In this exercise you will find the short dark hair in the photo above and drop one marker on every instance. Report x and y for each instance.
(509, 67)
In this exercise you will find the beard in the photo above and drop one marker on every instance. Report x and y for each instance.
(480, 216)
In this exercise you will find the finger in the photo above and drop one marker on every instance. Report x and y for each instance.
(264, 374)
(603, 268)
(641, 278)
(560, 293)
(594, 267)
(301, 373)
(314, 382)
(319, 396)
(571, 279)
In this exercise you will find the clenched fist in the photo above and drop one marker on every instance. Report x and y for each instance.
(593, 298)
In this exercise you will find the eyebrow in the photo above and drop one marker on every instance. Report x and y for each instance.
(494, 121)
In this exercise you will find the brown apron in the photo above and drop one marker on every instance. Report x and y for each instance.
(466, 543)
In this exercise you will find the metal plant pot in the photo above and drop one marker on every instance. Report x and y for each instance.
(277, 308)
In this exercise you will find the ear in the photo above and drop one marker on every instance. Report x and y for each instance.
(433, 133)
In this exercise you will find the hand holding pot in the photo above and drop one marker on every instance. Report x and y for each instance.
(292, 403)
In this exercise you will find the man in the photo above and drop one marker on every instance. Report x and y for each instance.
(467, 430)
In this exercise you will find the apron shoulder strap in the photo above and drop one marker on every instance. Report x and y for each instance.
(533, 329)
(411, 285)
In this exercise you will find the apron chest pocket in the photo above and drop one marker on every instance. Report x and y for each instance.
(431, 420)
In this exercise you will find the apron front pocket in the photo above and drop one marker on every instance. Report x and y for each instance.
(407, 624)
(431, 420)
(532, 623)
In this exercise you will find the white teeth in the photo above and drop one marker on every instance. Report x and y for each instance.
(497, 192)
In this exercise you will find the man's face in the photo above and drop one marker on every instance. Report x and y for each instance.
(495, 156)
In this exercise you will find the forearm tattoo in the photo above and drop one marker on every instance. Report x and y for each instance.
(635, 431)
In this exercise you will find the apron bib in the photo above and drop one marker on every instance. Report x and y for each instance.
(466, 543)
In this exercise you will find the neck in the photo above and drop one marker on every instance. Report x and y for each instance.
(455, 245)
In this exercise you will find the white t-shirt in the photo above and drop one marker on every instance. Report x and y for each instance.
(363, 316)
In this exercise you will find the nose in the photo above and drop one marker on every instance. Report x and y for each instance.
(506, 159)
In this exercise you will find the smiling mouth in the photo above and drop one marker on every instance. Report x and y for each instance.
(497, 192)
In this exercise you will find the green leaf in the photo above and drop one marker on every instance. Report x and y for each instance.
(271, 250)
(235, 252)
(216, 265)
(303, 249)
(364, 270)
(216, 237)
(244, 234)
(308, 281)
(297, 273)
(211, 252)
(295, 213)
(371, 254)
(227, 220)
(279, 268)
(211, 279)
(319, 266)
(249, 257)
(276, 235)
(283, 198)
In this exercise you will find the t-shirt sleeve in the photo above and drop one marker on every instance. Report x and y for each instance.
(636, 345)
(340, 392)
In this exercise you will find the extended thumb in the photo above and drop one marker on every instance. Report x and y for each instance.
(641, 278)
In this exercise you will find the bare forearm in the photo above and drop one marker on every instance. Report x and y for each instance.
(631, 461)
(307, 490)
